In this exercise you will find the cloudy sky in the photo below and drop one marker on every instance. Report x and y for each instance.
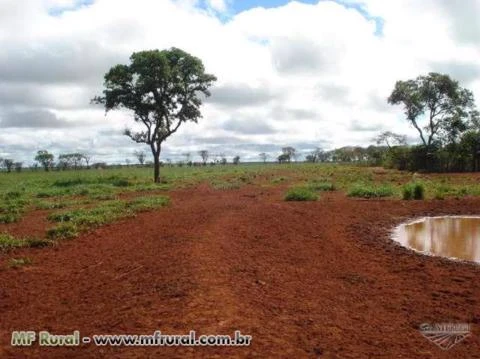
(299, 73)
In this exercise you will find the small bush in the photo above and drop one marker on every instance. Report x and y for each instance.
(414, 191)
(300, 194)
(366, 191)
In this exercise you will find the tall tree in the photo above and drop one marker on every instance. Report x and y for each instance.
(436, 106)
(163, 89)
(45, 159)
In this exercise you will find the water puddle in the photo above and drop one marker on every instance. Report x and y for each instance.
(455, 237)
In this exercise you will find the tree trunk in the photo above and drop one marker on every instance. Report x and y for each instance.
(156, 163)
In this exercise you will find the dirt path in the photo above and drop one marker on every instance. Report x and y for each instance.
(306, 280)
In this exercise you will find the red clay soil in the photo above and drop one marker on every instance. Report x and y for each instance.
(306, 280)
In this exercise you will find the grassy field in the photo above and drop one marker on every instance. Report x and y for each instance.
(77, 201)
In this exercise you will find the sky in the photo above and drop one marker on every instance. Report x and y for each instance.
(305, 74)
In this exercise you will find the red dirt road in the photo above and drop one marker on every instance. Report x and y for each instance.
(306, 280)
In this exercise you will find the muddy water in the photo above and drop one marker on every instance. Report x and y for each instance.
(451, 237)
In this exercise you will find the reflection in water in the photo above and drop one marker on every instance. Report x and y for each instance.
(453, 237)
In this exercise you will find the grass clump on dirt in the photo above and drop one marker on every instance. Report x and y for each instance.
(19, 262)
(300, 194)
(8, 242)
(414, 191)
(141, 204)
(63, 231)
(226, 185)
(82, 219)
(321, 186)
(370, 191)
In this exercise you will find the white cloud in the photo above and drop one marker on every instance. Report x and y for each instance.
(300, 74)
(218, 5)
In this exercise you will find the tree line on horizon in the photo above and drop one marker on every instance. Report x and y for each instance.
(165, 89)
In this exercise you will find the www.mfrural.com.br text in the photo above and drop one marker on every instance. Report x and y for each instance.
(47, 339)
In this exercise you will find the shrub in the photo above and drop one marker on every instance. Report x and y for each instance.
(369, 191)
(300, 194)
(413, 191)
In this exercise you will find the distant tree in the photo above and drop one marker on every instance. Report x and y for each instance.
(70, 160)
(236, 160)
(447, 107)
(87, 158)
(188, 157)
(315, 156)
(8, 164)
(140, 156)
(263, 156)
(127, 161)
(63, 162)
(18, 166)
(99, 165)
(391, 139)
(163, 88)
(283, 158)
(45, 159)
(223, 159)
(289, 153)
(204, 154)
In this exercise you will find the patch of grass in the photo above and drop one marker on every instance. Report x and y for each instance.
(225, 185)
(414, 191)
(9, 217)
(321, 186)
(141, 204)
(11, 210)
(300, 194)
(52, 205)
(11, 195)
(370, 191)
(19, 262)
(70, 182)
(63, 231)
(78, 220)
(279, 180)
(8, 242)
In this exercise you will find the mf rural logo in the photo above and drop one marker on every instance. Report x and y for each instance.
(445, 335)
